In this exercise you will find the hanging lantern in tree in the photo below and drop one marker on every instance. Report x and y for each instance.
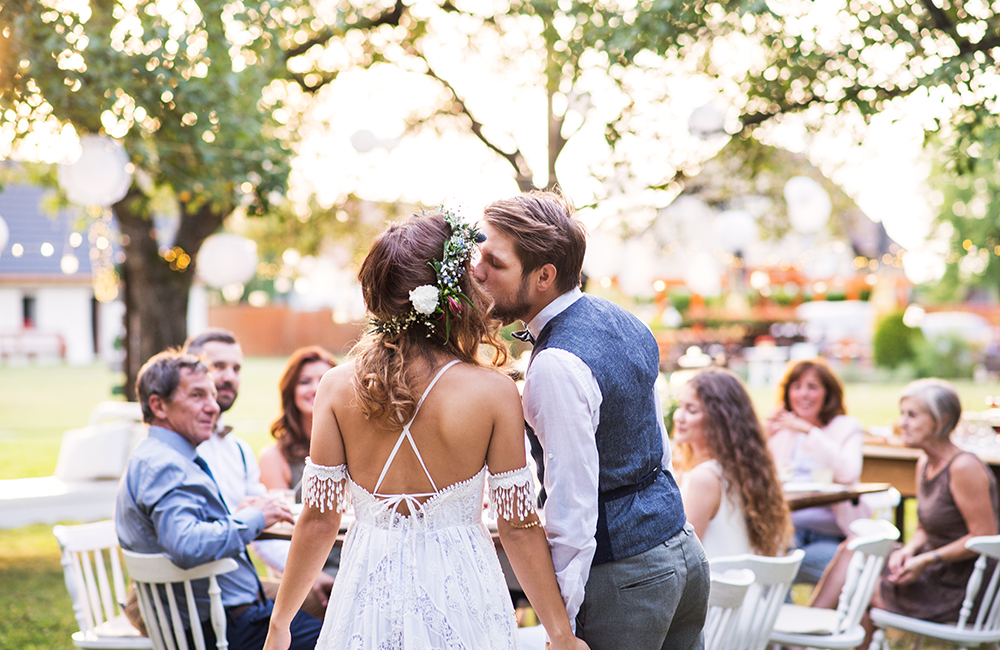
(102, 174)
(808, 203)
(226, 259)
(734, 230)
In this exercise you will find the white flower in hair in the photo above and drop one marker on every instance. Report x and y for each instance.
(425, 299)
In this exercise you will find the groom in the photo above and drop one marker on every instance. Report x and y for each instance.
(630, 569)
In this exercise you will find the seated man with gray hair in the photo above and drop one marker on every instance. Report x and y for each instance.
(168, 501)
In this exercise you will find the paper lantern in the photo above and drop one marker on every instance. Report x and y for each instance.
(4, 234)
(734, 230)
(702, 275)
(102, 174)
(603, 258)
(638, 259)
(707, 121)
(808, 203)
(227, 259)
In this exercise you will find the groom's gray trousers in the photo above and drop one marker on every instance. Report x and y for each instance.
(656, 600)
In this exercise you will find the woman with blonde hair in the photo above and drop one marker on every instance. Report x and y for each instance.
(409, 431)
(732, 495)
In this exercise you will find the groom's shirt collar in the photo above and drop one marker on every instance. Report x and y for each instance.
(552, 310)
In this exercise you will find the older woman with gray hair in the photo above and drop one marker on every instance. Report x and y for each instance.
(956, 500)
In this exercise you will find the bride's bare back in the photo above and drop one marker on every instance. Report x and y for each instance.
(471, 416)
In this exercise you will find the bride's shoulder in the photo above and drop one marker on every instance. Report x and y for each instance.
(482, 379)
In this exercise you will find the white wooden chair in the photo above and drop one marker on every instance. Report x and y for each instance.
(773, 579)
(837, 629)
(984, 629)
(163, 619)
(89, 551)
(725, 602)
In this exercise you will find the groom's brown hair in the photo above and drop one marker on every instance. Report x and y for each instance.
(544, 232)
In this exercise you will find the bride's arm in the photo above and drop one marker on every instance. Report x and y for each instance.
(323, 495)
(522, 537)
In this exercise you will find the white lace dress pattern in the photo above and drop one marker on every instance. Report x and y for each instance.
(427, 580)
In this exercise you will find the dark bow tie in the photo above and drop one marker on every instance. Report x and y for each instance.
(523, 335)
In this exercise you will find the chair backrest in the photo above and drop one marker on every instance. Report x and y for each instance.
(725, 601)
(773, 579)
(988, 617)
(88, 552)
(163, 619)
(863, 572)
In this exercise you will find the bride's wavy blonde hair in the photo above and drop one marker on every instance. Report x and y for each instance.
(398, 262)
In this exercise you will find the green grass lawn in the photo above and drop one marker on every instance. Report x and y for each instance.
(37, 404)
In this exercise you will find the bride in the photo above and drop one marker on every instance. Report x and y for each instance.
(408, 431)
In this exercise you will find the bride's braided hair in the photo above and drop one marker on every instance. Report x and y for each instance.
(398, 262)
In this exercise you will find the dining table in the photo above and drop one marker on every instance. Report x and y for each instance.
(799, 496)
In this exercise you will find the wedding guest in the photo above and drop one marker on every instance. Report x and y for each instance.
(282, 463)
(956, 500)
(169, 502)
(729, 483)
(813, 439)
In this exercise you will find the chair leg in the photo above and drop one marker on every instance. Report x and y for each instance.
(878, 640)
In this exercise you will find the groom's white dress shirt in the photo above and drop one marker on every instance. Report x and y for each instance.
(562, 403)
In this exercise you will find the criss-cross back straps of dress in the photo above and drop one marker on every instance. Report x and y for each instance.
(393, 500)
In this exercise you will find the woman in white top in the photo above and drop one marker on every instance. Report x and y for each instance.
(409, 431)
(729, 483)
(812, 439)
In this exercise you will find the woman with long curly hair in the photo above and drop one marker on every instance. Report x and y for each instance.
(282, 463)
(732, 495)
(409, 430)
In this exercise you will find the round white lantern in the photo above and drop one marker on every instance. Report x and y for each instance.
(364, 141)
(734, 230)
(102, 174)
(707, 121)
(603, 258)
(4, 234)
(637, 272)
(703, 275)
(808, 203)
(227, 259)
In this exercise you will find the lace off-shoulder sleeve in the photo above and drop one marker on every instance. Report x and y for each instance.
(325, 487)
(512, 494)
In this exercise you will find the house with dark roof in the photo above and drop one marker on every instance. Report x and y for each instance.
(48, 307)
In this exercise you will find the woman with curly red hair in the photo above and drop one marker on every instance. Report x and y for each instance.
(732, 495)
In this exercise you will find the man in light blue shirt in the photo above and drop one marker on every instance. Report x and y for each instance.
(169, 503)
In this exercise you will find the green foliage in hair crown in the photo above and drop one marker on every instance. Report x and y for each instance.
(443, 302)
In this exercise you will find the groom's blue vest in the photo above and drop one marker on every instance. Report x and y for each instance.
(639, 505)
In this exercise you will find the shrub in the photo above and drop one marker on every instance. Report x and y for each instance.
(947, 357)
(895, 343)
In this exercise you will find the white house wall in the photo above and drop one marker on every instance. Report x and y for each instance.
(67, 311)
(10, 310)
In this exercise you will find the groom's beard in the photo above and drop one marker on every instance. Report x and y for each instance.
(509, 310)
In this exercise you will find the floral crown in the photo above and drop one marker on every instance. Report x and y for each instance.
(441, 302)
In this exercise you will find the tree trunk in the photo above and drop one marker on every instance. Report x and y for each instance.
(156, 291)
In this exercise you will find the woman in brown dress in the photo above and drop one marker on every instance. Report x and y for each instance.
(956, 500)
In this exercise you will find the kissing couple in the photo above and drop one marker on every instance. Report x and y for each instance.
(411, 427)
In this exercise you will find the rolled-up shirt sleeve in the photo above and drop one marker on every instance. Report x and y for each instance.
(562, 404)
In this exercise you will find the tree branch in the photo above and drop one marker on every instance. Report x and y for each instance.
(522, 170)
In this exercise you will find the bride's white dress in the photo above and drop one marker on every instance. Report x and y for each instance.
(423, 581)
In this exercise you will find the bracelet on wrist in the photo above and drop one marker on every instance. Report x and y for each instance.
(937, 557)
(523, 526)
